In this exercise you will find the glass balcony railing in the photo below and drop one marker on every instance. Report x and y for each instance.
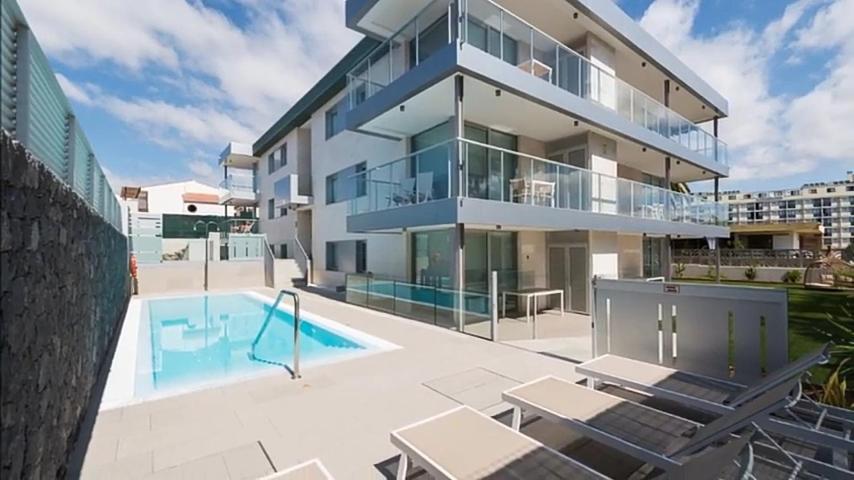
(495, 30)
(497, 174)
(502, 34)
(239, 184)
(405, 49)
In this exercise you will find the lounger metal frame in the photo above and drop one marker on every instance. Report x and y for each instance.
(411, 454)
(664, 462)
(803, 430)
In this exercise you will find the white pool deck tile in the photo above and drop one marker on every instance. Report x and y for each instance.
(341, 413)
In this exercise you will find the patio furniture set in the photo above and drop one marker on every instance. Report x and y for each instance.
(767, 430)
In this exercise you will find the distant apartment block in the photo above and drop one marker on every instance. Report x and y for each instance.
(539, 140)
(829, 205)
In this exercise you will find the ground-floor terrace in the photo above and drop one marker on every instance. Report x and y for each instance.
(542, 277)
(341, 413)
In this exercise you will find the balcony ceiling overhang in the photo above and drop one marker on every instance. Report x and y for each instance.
(238, 155)
(640, 59)
(517, 217)
(516, 115)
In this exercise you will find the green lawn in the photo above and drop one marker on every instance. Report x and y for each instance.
(808, 325)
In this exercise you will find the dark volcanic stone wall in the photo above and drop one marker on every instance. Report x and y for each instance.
(64, 283)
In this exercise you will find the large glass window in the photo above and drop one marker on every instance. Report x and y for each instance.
(361, 256)
(332, 256)
(432, 258)
(283, 155)
(486, 252)
(335, 118)
(345, 184)
(429, 40)
(347, 256)
(271, 209)
(490, 40)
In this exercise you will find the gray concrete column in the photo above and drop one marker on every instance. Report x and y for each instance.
(458, 131)
(666, 254)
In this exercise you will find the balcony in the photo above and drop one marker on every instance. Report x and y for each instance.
(497, 32)
(287, 192)
(239, 191)
(502, 187)
(238, 155)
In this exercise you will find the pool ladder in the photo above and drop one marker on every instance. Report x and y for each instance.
(295, 371)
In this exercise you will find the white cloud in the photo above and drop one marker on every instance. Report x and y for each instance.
(770, 135)
(73, 91)
(236, 78)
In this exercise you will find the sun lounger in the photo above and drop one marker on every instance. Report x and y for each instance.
(465, 444)
(805, 426)
(720, 396)
(310, 470)
(663, 440)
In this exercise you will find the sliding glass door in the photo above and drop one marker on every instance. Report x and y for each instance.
(486, 252)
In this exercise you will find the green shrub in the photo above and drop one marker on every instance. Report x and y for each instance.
(750, 273)
(792, 276)
(679, 270)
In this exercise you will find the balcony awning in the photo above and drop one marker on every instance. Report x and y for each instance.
(209, 198)
(238, 155)
(803, 228)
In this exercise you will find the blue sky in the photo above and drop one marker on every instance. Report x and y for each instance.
(160, 86)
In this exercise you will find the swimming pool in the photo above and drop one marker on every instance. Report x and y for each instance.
(171, 345)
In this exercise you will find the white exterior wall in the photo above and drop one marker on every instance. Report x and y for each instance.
(386, 252)
(279, 230)
(310, 151)
(603, 159)
(630, 255)
(604, 252)
(532, 258)
(168, 198)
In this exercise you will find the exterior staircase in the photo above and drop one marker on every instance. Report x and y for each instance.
(288, 273)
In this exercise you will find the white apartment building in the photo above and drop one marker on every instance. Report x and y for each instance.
(829, 204)
(536, 139)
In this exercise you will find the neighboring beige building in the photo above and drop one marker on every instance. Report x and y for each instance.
(828, 204)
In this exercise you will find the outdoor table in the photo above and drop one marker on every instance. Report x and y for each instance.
(528, 294)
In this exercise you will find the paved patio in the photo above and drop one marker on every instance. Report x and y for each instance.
(341, 413)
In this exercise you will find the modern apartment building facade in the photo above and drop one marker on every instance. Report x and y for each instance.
(830, 205)
(535, 139)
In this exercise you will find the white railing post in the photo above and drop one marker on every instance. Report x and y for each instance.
(493, 303)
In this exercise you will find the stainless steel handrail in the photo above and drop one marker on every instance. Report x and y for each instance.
(308, 274)
(295, 371)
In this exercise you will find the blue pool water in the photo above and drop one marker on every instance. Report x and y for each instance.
(189, 341)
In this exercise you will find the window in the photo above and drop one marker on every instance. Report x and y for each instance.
(335, 119)
(142, 204)
(361, 256)
(345, 184)
(731, 197)
(283, 155)
(347, 256)
(271, 163)
(849, 188)
(283, 211)
(283, 250)
(271, 209)
(813, 190)
(332, 256)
